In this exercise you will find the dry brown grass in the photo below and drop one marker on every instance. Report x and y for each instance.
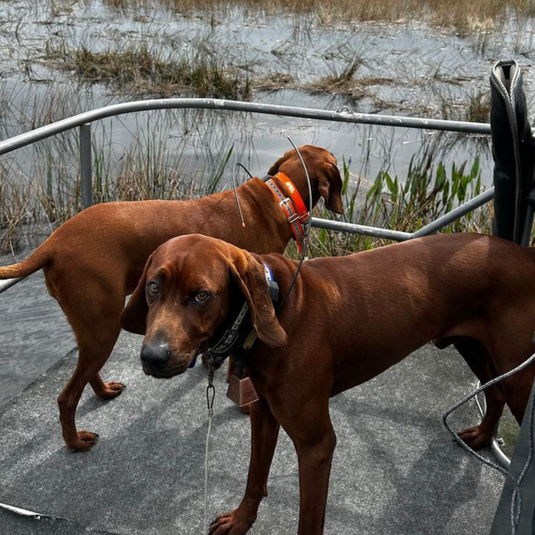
(473, 16)
(138, 70)
(22, 205)
(345, 81)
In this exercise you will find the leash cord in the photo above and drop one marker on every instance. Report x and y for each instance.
(210, 396)
(516, 498)
(309, 225)
(239, 164)
(210, 389)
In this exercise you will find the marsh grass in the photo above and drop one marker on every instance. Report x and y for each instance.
(147, 170)
(14, 200)
(149, 167)
(207, 65)
(342, 80)
(137, 69)
(478, 110)
(150, 170)
(464, 17)
(473, 107)
(429, 191)
(21, 211)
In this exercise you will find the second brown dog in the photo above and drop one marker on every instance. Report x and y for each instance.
(96, 258)
(347, 320)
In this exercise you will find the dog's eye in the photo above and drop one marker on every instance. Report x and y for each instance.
(153, 288)
(201, 297)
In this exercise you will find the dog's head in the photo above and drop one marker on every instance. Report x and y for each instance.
(186, 291)
(324, 175)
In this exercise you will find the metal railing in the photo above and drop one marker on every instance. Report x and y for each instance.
(83, 122)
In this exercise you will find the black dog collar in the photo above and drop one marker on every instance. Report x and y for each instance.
(240, 337)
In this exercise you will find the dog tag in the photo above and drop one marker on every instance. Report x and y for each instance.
(241, 391)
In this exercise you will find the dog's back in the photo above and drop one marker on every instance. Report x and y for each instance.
(373, 308)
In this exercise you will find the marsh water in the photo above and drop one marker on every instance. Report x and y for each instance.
(397, 68)
(405, 68)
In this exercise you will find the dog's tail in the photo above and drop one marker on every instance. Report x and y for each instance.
(36, 261)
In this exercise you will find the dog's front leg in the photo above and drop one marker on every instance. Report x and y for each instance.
(265, 431)
(314, 444)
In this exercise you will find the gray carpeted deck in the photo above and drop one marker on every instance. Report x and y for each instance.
(395, 471)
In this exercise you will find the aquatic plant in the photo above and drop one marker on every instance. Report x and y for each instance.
(139, 70)
(428, 191)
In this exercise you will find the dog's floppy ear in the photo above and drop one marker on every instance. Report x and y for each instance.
(250, 277)
(274, 169)
(324, 174)
(134, 316)
(330, 187)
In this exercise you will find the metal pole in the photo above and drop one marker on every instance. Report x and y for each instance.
(344, 115)
(363, 230)
(86, 181)
(8, 283)
(456, 213)
(397, 235)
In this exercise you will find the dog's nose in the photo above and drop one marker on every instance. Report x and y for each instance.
(156, 355)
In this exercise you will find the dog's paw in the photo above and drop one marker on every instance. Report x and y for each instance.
(111, 390)
(234, 522)
(85, 440)
(475, 437)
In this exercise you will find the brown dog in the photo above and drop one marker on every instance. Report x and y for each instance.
(95, 259)
(346, 320)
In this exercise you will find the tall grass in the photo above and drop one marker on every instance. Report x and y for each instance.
(428, 191)
(148, 170)
(465, 17)
(23, 218)
(153, 165)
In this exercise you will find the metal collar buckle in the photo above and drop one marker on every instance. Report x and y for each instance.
(291, 203)
(294, 216)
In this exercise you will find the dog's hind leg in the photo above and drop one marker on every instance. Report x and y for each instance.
(477, 357)
(96, 331)
(517, 390)
(510, 348)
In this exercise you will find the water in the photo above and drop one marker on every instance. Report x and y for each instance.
(403, 68)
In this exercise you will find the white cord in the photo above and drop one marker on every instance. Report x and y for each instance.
(516, 498)
(210, 396)
(206, 468)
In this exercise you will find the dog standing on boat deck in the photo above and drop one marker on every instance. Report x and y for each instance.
(347, 320)
(96, 258)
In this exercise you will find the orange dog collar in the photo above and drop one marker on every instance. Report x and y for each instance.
(292, 205)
